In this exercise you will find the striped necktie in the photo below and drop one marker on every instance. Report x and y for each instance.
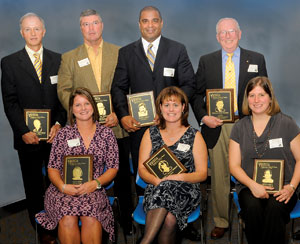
(230, 81)
(151, 56)
(38, 66)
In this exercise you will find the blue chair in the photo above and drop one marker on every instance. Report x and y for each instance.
(293, 215)
(139, 215)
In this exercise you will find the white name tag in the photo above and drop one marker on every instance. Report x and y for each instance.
(183, 147)
(83, 62)
(169, 72)
(53, 79)
(253, 68)
(74, 142)
(274, 143)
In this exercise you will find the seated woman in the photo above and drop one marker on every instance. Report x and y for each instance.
(66, 203)
(169, 201)
(265, 133)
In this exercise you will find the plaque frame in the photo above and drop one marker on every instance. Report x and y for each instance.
(88, 176)
(164, 154)
(98, 97)
(261, 165)
(142, 99)
(43, 135)
(228, 103)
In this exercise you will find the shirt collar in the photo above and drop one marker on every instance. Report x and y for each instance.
(155, 43)
(31, 52)
(88, 47)
(236, 53)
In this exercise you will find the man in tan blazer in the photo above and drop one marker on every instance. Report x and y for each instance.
(92, 65)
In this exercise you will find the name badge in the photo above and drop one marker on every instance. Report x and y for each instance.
(54, 79)
(74, 142)
(253, 68)
(169, 72)
(183, 147)
(275, 143)
(83, 62)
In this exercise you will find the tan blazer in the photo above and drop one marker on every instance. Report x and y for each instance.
(71, 75)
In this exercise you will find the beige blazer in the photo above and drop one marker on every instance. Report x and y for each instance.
(71, 75)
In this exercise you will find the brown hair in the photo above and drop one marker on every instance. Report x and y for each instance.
(264, 83)
(167, 93)
(86, 93)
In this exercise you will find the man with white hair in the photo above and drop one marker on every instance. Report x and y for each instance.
(230, 67)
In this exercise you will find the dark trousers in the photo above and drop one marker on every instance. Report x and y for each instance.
(34, 182)
(122, 186)
(265, 219)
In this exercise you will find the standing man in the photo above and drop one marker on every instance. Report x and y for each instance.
(29, 80)
(92, 65)
(149, 64)
(213, 73)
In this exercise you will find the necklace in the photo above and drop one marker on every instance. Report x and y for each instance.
(260, 155)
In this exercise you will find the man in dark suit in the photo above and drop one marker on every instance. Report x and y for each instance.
(171, 67)
(211, 75)
(27, 87)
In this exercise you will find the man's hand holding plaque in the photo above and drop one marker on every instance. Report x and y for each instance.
(164, 163)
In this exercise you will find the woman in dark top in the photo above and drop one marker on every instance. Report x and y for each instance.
(265, 133)
(169, 201)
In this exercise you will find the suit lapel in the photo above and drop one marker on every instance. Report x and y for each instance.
(87, 70)
(244, 64)
(162, 48)
(107, 63)
(139, 51)
(219, 71)
(27, 65)
(47, 64)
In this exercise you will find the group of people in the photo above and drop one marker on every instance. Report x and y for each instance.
(37, 78)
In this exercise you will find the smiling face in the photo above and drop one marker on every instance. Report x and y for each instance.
(91, 29)
(228, 35)
(82, 108)
(171, 109)
(33, 31)
(150, 24)
(259, 100)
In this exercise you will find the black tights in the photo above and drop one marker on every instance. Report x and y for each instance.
(160, 220)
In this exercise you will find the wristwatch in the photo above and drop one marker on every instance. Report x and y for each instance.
(99, 186)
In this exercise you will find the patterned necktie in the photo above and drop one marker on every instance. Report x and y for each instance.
(230, 78)
(151, 56)
(38, 66)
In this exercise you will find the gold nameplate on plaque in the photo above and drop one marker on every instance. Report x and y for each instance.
(163, 163)
(78, 169)
(142, 107)
(104, 105)
(269, 172)
(38, 121)
(220, 103)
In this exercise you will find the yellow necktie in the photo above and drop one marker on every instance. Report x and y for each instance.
(230, 81)
(38, 66)
(151, 56)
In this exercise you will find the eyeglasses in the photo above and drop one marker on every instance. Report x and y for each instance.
(229, 32)
(94, 23)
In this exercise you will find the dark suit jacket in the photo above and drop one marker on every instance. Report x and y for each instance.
(133, 72)
(209, 76)
(21, 89)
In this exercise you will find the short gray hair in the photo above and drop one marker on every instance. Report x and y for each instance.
(89, 12)
(31, 15)
(220, 20)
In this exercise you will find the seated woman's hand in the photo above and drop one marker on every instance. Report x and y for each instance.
(284, 194)
(71, 190)
(259, 191)
(87, 187)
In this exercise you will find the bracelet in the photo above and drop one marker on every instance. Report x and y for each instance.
(63, 188)
(291, 185)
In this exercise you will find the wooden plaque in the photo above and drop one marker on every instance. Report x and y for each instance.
(104, 105)
(78, 169)
(220, 103)
(142, 107)
(269, 172)
(38, 121)
(163, 163)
